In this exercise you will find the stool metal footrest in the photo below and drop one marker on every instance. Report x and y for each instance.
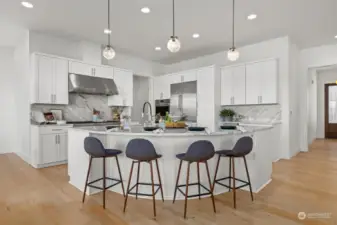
(107, 178)
(227, 186)
(195, 195)
(143, 194)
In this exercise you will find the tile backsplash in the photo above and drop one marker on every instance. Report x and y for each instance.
(80, 107)
(258, 113)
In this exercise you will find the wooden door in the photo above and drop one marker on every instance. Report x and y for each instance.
(330, 99)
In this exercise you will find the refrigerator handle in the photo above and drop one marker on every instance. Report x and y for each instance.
(180, 103)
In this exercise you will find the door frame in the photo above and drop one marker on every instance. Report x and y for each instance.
(326, 107)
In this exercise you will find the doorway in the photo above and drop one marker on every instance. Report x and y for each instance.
(330, 108)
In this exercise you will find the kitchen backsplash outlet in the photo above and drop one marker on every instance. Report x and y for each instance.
(80, 107)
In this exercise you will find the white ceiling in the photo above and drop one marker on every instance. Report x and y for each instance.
(307, 22)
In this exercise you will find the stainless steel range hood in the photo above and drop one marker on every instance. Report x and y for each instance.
(91, 85)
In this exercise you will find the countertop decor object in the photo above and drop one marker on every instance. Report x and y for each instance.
(227, 114)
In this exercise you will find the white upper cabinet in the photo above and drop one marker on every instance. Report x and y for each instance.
(49, 80)
(233, 90)
(162, 87)
(91, 70)
(190, 75)
(261, 82)
(104, 72)
(124, 83)
(81, 68)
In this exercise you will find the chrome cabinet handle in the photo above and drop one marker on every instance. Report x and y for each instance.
(54, 98)
(51, 98)
(55, 139)
(233, 100)
(260, 99)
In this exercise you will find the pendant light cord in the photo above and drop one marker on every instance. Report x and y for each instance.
(109, 22)
(233, 24)
(173, 20)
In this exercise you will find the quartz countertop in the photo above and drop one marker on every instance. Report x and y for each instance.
(138, 130)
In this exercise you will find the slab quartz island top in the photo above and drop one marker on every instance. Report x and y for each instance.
(137, 130)
(169, 144)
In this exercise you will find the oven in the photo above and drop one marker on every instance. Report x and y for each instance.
(162, 106)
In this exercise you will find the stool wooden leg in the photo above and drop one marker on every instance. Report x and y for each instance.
(210, 186)
(86, 181)
(250, 185)
(159, 178)
(128, 188)
(178, 176)
(187, 182)
(104, 184)
(198, 169)
(153, 193)
(137, 180)
(230, 174)
(216, 172)
(120, 176)
(234, 191)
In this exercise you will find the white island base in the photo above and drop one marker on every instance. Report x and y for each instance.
(168, 145)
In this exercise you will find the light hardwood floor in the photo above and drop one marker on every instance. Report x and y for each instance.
(307, 182)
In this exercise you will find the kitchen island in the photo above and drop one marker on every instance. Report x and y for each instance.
(168, 144)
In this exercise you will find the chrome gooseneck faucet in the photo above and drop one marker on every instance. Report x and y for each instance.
(149, 104)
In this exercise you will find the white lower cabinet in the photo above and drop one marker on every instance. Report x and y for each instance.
(49, 145)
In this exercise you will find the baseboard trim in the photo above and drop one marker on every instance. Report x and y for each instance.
(23, 156)
(263, 186)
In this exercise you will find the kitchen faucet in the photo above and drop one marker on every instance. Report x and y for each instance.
(147, 103)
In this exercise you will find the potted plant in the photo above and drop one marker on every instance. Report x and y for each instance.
(227, 114)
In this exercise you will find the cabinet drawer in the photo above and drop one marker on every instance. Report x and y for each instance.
(54, 129)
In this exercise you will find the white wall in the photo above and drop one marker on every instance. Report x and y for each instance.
(294, 107)
(312, 104)
(90, 52)
(323, 77)
(311, 58)
(21, 58)
(276, 48)
(8, 113)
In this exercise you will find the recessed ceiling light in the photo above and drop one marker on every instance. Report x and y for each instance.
(336, 36)
(145, 10)
(107, 31)
(196, 35)
(27, 4)
(252, 17)
(157, 48)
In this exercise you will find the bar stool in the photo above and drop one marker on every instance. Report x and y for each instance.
(141, 150)
(198, 152)
(242, 148)
(94, 147)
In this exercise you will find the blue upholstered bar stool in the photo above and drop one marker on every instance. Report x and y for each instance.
(242, 148)
(142, 150)
(198, 152)
(94, 147)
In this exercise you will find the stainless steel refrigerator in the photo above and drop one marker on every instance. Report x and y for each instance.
(184, 101)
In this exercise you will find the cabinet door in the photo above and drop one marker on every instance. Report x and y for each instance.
(174, 78)
(205, 98)
(239, 85)
(80, 68)
(60, 82)
(62, 147)
(49, 148)
(124, 83)
(226, 86)
(158, 83)
(269, 88)
(45, 67)
(166, 86)
(104, 72)
(190, 75)
(253, 83)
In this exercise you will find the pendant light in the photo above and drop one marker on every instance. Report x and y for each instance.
(109, 52)
(233, 53)
(173, 44)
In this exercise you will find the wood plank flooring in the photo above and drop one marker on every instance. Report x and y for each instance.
(306, 183)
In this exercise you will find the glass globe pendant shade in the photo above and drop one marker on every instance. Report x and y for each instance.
(173, 44)
(233, 54)
(109, 52)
